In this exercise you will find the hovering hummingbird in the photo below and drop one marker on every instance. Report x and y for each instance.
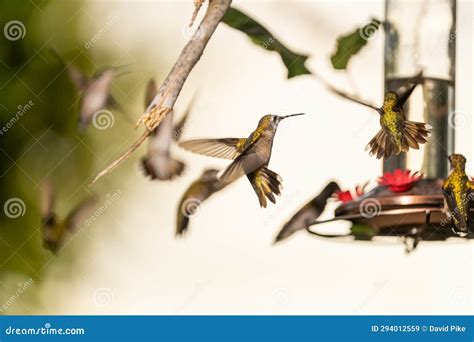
(95, 91)
(251, 157)
(157, 163)
(199, 191)
(308, 213)
(397, 133)
(54, 232)
(458, 193)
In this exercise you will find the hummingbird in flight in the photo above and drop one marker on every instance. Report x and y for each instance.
(55, 231)
(250, 157)
(458, 193)
(397, 134)
(158, 164)
(95, 91)
(199, 191)
(308, 213)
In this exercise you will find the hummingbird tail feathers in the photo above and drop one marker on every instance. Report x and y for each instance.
(381, 145)
(266, 185)
(168, 171)
(414, 134)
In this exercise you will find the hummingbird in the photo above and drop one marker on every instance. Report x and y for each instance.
(308, 213)
(157, 163)
(458, 192)
(199, 191)
(55, 231)
(397, 134)
(250, 157)
(95, 90)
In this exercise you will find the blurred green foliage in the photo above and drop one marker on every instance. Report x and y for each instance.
(294, 62)
(38, 118)
(349, 45)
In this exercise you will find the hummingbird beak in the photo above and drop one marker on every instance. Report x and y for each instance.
(289, 116)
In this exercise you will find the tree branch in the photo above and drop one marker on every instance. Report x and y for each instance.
(169, 91)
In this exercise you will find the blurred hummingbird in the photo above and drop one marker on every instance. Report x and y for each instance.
(54, 232)
(157, 163)
(251, 157)
(458, 192)
(199, 191)
(95, 90)
(308, 213)
(397, 133)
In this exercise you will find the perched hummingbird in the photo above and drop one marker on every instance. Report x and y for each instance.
(157, 163)
(458, 193)
(199, 191)
(54, 232)
(251, 157)
(397, 133)
(95, 91)
(309, 213)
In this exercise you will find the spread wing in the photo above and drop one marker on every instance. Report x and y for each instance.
(227, 148)
(180, 125)
(453, 211)
(80, 214)
(405, 91)
(247, 162)
(76, 76)
(47, 197)
(151, 91)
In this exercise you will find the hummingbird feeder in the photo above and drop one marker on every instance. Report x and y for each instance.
(415, 37)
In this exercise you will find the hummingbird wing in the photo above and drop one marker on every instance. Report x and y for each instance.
(308, 213)
(352, 98)
(77, 216)
(150, 92)
(180, 125)
(247, 162)
(405, 91)
(194, 196)
(227, 148)
(47, 199)
(80, 80)
(456, 211)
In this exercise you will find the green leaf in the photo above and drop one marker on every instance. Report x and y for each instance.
(362, 232)
(259, 35)
(349, 45)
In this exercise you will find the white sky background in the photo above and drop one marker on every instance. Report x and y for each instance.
(227, 264)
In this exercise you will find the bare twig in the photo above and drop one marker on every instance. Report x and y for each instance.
(197, 5)
(169, 91)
